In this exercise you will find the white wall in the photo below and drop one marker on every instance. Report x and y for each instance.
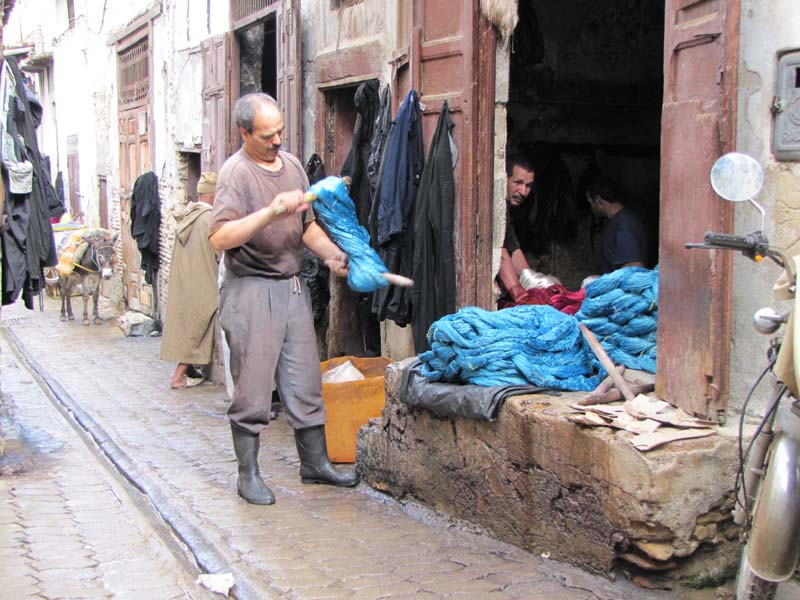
(84, 87)
(767, 29)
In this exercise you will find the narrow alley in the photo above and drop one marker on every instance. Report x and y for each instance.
(73, 526)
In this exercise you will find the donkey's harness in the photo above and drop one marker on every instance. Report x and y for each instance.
(93, 257)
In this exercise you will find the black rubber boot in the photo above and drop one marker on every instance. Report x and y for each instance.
(315, 466)
(249, 485)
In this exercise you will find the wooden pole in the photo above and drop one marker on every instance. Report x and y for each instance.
(607, 363)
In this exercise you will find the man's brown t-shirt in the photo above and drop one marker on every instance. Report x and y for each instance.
(243, 187)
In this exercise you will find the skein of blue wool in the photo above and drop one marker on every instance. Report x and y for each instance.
(336, 211)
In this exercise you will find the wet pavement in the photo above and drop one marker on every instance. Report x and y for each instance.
(116, 486)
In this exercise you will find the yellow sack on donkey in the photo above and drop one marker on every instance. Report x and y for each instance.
(71, 252)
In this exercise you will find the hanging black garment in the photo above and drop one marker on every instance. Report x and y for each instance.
(315, 169)
(28, 241)
(434, 293)
(314, 271)
(367, 342)
(355, 165)
(55, 203)
(146, 222)
(401, 169)
(59, 187)
(380, 133)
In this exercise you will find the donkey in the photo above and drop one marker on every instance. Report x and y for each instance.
(96, 263)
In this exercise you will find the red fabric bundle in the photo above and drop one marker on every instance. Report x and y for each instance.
(556, 296)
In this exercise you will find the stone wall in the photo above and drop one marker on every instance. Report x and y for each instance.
(577, 494)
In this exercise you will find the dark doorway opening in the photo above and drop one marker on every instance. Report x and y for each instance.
(191, 162)
(585, 96)
(353, 328)
(258, 58)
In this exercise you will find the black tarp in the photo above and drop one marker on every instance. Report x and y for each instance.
(473, 402)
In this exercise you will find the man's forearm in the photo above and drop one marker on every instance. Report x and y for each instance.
(319, 243)
(236, 233)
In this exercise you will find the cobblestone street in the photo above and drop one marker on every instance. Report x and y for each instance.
(73, 526)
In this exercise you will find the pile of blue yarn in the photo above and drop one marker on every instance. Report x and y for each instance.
(337, 213)
(621, 310)
(541, 346)
(521, 345)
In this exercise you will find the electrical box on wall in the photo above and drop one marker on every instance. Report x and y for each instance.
(786, 107)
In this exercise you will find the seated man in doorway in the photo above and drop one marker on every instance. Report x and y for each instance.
(519, 187)
(624, 243)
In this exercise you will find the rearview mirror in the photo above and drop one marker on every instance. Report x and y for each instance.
(737, 177)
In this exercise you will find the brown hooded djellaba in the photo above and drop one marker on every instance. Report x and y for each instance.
(192, 299)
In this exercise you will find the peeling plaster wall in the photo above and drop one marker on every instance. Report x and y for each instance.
(767, 30)
(326, 30)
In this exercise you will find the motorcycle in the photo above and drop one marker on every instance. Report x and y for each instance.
(768, 479)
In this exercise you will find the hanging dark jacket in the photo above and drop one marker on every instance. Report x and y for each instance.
(355, 165)
(367, 103)
(28, 241)
(146, 222)
(314, 271)
(434, 293)
(401, 170)
(380, 133)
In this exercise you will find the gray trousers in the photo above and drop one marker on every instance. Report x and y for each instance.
(269, 327)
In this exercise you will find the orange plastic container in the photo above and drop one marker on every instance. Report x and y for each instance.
(350, 404)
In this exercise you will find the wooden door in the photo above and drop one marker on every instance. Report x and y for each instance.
(219, 131)
(134, 157)
(698, 125)
(289, 77)
(135, 141)
(452, 58)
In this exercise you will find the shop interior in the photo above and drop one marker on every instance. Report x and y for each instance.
(585, 95)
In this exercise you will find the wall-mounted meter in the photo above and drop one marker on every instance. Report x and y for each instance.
(786, 107)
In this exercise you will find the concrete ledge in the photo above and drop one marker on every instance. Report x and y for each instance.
(582, 495)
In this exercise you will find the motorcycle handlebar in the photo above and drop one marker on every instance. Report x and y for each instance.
(734, 242)
(754, 246)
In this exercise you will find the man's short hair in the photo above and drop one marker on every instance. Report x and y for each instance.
(606, 188)
(517, 160)
(244, 112)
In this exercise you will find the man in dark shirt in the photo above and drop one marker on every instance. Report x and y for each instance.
(519, 186)
(624, 240)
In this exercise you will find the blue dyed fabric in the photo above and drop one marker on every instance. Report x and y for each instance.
(337, 213)
(621, 310)
(540, 345)
(520, 345)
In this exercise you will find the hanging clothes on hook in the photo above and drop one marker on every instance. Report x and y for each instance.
(393, 207)
(434, 293)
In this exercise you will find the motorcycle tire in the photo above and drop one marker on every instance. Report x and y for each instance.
(750, 586)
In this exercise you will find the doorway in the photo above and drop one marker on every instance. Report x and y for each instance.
(585, 98)
(258, 58)
(353, 329)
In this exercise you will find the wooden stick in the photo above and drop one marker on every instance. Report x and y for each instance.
(614, 395)
(607, 363)
(398, 280)
(608, 382)
(308, 197)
